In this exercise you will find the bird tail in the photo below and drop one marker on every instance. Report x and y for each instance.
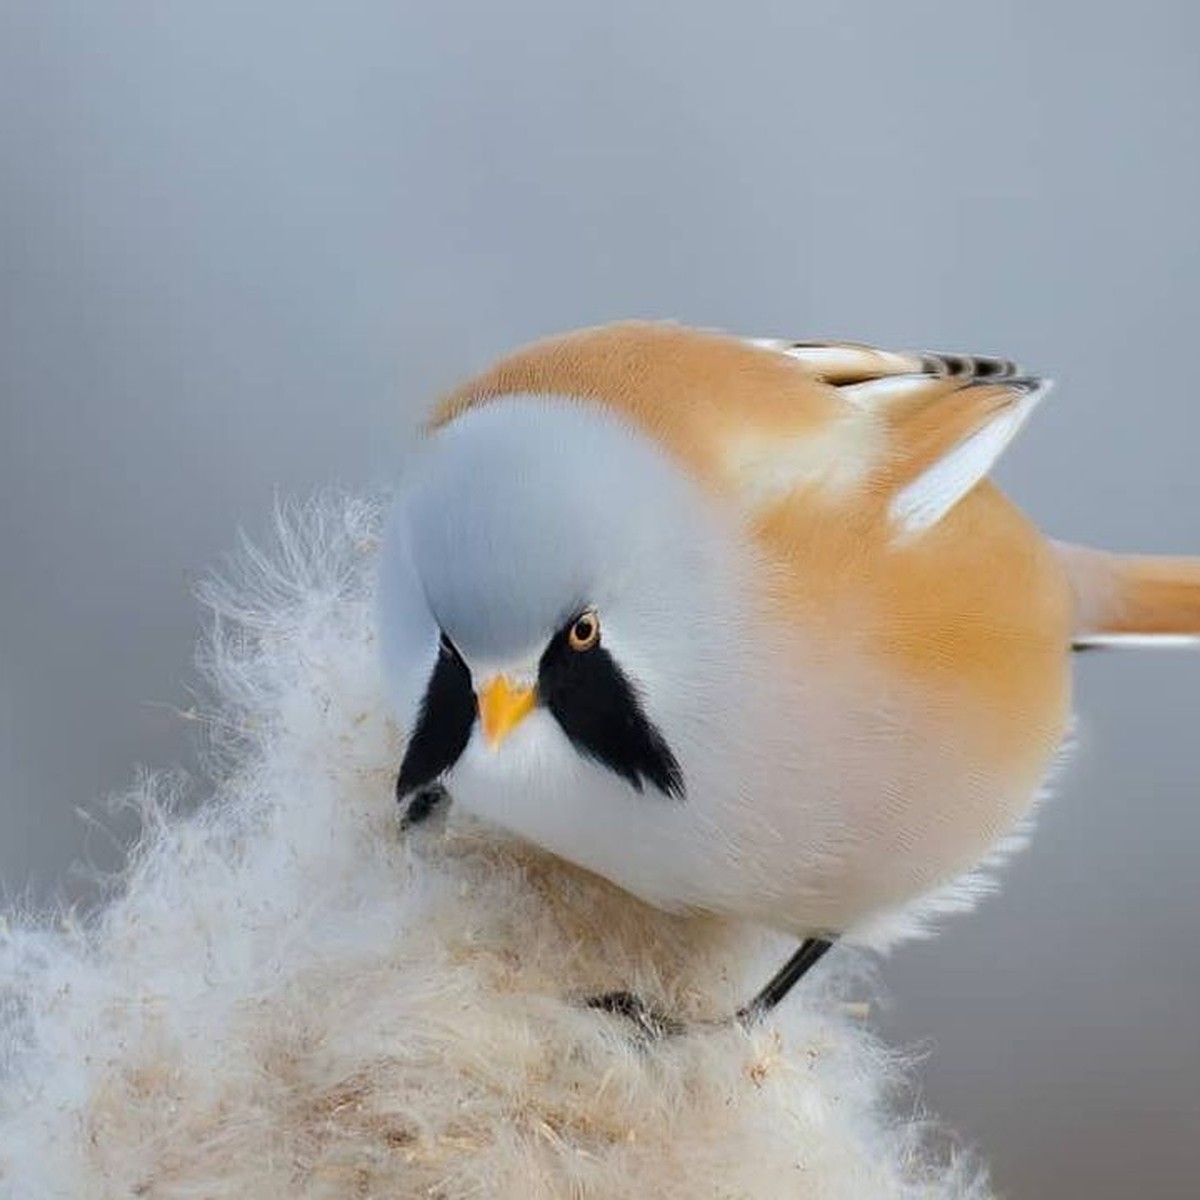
(1133, 599)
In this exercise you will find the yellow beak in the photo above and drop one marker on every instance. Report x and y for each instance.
(502, 708)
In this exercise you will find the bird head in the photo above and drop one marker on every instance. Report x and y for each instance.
(557, 612)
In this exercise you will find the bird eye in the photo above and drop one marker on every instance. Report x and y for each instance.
(585, 632)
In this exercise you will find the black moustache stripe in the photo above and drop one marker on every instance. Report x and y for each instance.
(599, 710)
(443, 725)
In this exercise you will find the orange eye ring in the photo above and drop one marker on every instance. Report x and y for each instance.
(584, 634)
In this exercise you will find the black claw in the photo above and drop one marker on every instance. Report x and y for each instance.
(424, 803)
(633, 1008)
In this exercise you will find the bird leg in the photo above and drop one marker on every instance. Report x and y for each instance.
(658, 1024)
(810, 953)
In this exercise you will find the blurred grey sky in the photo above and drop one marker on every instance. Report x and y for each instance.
(241, 245)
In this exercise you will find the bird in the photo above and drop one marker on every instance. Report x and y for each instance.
(742, 625)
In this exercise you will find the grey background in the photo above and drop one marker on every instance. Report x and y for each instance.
(241, 245)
